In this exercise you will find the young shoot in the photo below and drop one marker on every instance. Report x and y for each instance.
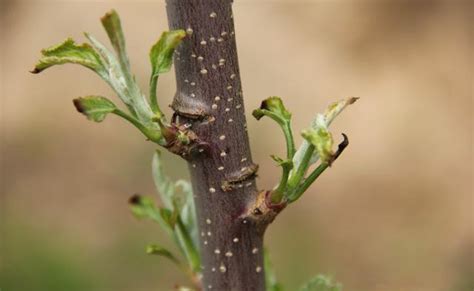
(317, 146)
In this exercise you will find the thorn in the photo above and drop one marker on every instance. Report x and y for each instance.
(352, 100)
(340, 148)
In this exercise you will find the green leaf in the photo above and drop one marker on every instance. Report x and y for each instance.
(285, 164)
(161, 54)
(95, 108)
(161, 58)
(170, 221)
(69, 52)
(335, 108)
(322, 121)
(178, 199)
(321, 138)
(306, 155)
(113, 27)
(321, 283)
(273, 107)
(163, 183)
(127, 90)
(115, 77)
(123, 74)
(189, 249)
(279, 190)
(144, 207)
(188, 210)
(155, 249)
(318, 142)
(169, 216)
(177, 194)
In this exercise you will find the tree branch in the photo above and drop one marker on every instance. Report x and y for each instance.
(209, 101)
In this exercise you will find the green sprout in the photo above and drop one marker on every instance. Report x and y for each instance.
(114, 69)
(317, 146)
(177, 216)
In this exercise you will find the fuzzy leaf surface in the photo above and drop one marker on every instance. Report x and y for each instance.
(113, 27)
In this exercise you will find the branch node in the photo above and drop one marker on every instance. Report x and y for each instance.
(182, 141)
(263, 211)
(239, 177)
(189, 107)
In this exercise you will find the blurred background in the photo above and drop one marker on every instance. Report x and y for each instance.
(394, 213)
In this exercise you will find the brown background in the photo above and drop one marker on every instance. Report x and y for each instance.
(394, 213)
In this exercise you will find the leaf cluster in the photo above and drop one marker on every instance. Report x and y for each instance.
(317, 147)
(176, 217)
(177, 214)
(114, 68)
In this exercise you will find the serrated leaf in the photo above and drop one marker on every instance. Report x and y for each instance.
(321, 283)
(273, 107)
(69, 52)
(95, 108)
(161, 53)
(322, 140)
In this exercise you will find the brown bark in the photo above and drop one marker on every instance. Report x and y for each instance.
(209, 100)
